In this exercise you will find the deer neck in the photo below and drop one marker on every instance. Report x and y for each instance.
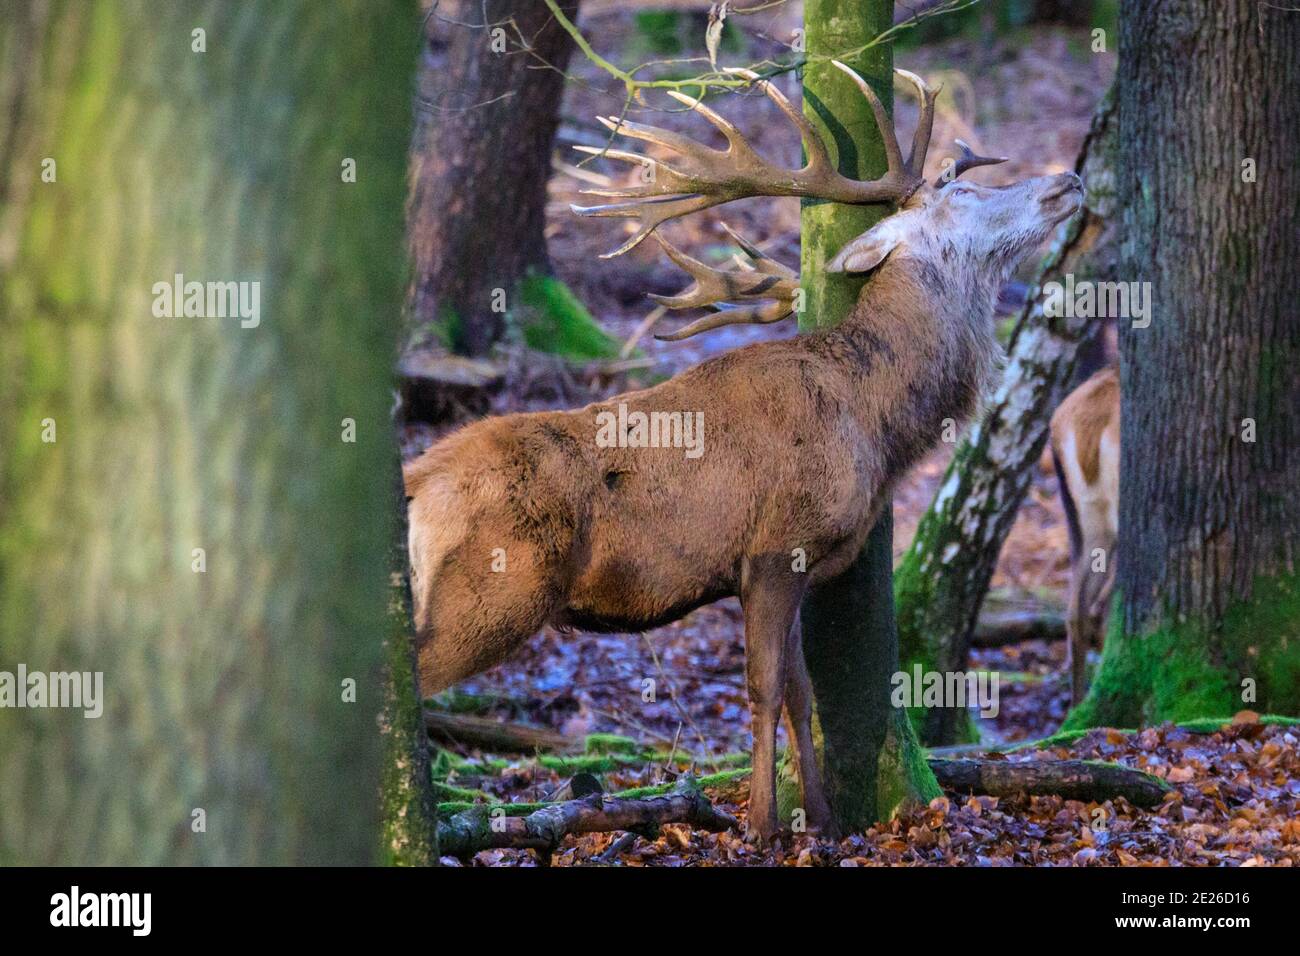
(923, 342)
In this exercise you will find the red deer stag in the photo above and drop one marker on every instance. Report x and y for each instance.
(1085, 451)
(590, 521)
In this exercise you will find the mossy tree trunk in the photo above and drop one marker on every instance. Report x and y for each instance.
(944, 576)
(408, 810)
(871, 759)
(131, 441)
(480, 162)
(1208, 620)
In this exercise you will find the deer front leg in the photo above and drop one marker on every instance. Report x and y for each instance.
(798, 717)
(770, 595)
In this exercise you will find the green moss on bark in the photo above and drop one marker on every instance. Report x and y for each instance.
(554, 320)
(1179, 671)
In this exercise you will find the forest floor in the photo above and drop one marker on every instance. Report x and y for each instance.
(1235, 791)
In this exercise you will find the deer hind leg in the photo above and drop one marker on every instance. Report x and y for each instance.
(798, 722)
(1077, 626)
(770, 595)
(1099, 605)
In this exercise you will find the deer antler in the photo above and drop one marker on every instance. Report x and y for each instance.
(967, 160)
(705, 177)
(760, 279)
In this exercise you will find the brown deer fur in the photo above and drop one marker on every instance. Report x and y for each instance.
(802, 441)
(1085, 450)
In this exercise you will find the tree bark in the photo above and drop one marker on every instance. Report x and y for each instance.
(872, 762)
(941, 582)
(227, 735)
(480, 163)
(1208, 618)
(408, 811)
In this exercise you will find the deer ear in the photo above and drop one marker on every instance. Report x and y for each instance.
(865, 252)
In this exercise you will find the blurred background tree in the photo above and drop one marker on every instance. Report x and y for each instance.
(217, 141)
(491, 83)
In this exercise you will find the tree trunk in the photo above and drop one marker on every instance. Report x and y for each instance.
(131, 440)
(942, 580)
(408, 811)
(871, 759)
(480, 162)
(1208, 620)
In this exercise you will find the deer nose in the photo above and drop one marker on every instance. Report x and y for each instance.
(1065, 183)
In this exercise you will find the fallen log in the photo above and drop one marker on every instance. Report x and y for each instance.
(481, 828)
(493, 735)
(1086, 780)
(996, 628)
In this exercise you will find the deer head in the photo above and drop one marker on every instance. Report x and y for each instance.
(965, 224)
(974, 230)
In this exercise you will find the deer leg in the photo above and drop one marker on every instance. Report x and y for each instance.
(770, 595)
(1099, 608)
(798, 723)
(1076, 628)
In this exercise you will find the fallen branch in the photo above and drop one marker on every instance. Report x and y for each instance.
(478, 829)
(996, 628)
(724, 781)
(493, 735)
(1087, 780)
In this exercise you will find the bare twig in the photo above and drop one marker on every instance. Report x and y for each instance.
(672, 695)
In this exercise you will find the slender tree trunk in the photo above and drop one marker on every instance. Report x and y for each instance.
(181, 506)
(941, 583)
(1208, 620)
(871, 759)
(480, 162)
(409, 813)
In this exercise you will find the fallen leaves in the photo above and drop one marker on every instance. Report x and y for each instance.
(1235, 802)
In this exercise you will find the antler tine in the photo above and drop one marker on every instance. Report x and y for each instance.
(924, 124)
(716, 288)
(736, 142)
(649, 213)
(760, 260)
(883, 122)
(818, 157)
(967, 160)
(745, 315)
(705, 177)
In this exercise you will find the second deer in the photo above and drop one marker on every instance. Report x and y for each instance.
(1085, 452)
